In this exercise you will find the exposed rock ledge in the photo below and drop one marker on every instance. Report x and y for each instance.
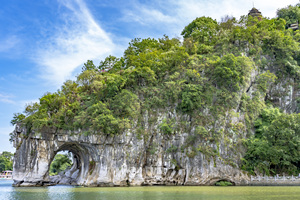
(115, 161)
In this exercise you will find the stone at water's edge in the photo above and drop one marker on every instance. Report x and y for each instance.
(115, 161)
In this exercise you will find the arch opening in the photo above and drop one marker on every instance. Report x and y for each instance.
(62, 161)
(224, 182)
(66, 164)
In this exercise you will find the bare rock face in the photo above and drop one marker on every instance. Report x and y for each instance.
(118, 160)
(285, 95)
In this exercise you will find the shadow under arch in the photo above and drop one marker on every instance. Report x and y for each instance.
(223, 182)
(219, 181)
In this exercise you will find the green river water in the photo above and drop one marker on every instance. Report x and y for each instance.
(146, 193)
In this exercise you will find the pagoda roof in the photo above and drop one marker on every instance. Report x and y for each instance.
(254, 12)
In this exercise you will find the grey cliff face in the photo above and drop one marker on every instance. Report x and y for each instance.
(116, 161)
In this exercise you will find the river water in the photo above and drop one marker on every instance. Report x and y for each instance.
(146, 193)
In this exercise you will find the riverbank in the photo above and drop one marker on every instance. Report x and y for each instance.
(148, 193)
(254, 181)
(274, 181)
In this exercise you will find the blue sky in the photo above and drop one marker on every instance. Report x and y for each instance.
(45, 42)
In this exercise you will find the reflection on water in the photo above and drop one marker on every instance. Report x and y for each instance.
(146, 193)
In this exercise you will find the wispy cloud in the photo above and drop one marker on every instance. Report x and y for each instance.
(6, 99)
(78, 39)
(8, 43)
(173, 15)
(146, 15)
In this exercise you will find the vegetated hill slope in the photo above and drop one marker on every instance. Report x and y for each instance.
(232, 86)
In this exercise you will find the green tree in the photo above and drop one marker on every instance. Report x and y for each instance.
(60, 163)
(17, 118)
(275, 149)
(6, 161)
(203, 31)
(232, 72)
(111, 63)
(125, 105)
(291, 14)
(89, 65)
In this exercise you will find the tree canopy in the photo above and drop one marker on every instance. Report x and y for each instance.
(291, 14)
(275, 148)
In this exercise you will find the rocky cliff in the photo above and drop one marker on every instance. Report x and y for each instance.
(116, 161)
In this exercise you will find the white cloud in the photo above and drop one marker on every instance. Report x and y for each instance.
(6, 98)
(78, 39)
(19, 104)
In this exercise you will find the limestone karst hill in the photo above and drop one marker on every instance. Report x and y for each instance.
(218, 105)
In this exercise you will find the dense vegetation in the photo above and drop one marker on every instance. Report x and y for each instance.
(6, 161)
(220, 72)
(60, 163)
(275, 148)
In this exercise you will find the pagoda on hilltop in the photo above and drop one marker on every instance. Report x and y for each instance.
(255, 13)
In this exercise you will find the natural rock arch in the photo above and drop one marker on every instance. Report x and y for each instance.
(35, 152)
(220, 180)
(114, 160)
(79, 155)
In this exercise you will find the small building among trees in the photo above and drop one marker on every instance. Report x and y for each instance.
(255, 13)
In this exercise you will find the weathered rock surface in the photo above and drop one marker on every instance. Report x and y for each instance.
(118, 160)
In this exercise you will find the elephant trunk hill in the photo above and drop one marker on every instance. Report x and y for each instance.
(218, 106)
